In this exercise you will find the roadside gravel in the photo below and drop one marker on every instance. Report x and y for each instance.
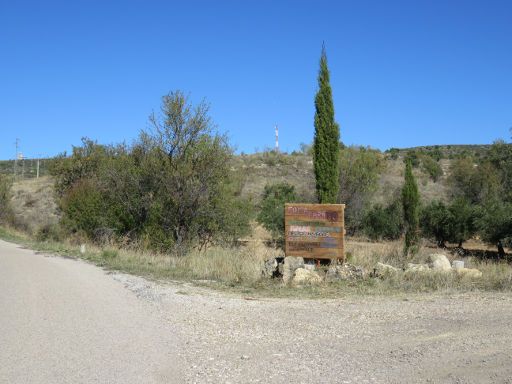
(66, 321)
(462, 338)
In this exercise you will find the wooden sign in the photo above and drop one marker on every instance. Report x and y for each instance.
(315, 231)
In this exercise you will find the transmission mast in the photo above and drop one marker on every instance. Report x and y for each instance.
(277, 139)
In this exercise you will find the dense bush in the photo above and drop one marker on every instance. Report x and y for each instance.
(477, 182)
(271, 214)
(172, 190)
(384, 223)
(455, 222)
(360, 169)
(500, 157)
(495, 223)
(5, 199)
(435, 221)
(486, 184)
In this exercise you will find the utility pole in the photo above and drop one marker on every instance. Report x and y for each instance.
(277, 139)
(16, 157)
(38, 158)
(20, 156)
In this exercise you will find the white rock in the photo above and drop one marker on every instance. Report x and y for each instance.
(382, 269)
(439, 262)
(309, 267)
(269, 267)
(303, 276)
(458, 264)
(291, 264)
(344, 272)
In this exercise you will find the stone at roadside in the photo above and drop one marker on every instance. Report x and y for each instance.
(304, 276)
(458, 264)
(344, 272)
(309, 266)
(270, 268)
(417, 268)
(471, 273)
(382, 269)
(290, 265)
(439, 262)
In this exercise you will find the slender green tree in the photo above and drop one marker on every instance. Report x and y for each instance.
(326, 147)
(411, 204)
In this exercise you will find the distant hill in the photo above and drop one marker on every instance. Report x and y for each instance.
(34, 200)
(448, 151)
(257, 170)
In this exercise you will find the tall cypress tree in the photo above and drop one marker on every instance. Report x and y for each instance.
(326, 150)
(411, 204)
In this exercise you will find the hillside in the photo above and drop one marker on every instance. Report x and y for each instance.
(260, 169)
(35, 205)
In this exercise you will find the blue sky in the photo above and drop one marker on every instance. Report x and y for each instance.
(403, 73)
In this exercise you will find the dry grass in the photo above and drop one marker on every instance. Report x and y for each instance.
(239, 269)
(392, 179)
(34, 204)
(495, 275)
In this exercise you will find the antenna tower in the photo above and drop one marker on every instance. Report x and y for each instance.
(277, 139)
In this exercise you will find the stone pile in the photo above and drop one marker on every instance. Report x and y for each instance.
(435, 263)
(294, 271)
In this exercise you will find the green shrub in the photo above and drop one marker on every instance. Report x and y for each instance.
(360, 169)
(84, 208)
(384, 222)
(271, 214)
(173, 189)
(435, 221)
(49, 232)
(475, 182)
(455, 222)
(5, 199)
(495, 223)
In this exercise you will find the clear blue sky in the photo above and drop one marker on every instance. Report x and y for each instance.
(403, 73)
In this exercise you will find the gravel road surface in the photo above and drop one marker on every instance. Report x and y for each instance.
(65, 321)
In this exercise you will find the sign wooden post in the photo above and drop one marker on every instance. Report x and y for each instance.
(315, 231)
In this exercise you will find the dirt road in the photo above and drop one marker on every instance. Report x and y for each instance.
(64, 321)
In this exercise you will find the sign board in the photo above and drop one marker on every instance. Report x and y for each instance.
(315, 231)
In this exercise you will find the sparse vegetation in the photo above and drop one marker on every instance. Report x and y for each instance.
(431, 167)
